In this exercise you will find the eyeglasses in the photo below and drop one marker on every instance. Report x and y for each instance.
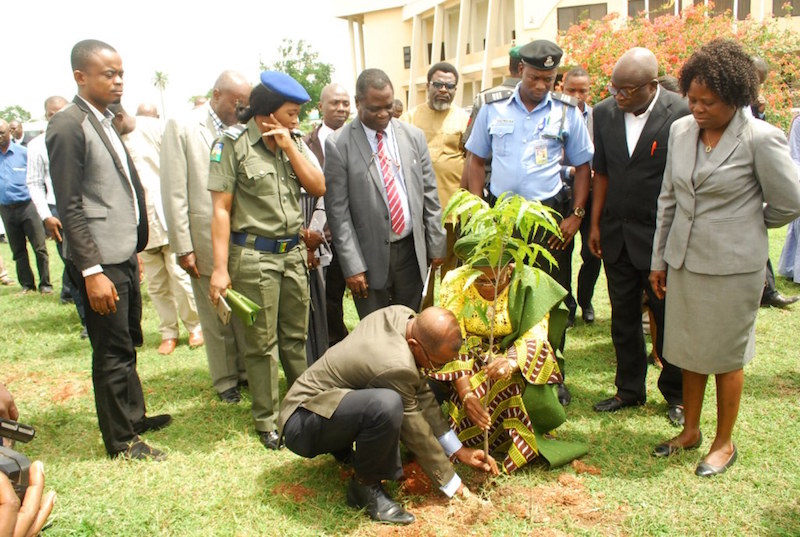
(626, 93)
(240, 106)
(439, 85)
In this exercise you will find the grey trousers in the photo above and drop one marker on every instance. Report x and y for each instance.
(224, 344)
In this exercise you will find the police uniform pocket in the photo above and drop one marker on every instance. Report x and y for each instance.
(260, 178)
(501, 132)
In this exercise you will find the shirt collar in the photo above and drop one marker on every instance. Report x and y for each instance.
(372, 134)
(646, 113)
(101, 116)
(543, 103)
(218, 124)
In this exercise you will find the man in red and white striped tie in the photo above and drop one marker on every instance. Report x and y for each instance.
(382, 203)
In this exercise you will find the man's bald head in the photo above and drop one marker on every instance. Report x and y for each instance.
(147, 110)
(635, 79)
(334, 104)
(52, 105)
(231, 93)
(5, 135)
(437, 330)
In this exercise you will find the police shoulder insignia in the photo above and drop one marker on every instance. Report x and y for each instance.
(566, 99)
(234, 131)
(216, 152)
(497, 94)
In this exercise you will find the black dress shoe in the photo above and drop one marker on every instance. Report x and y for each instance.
(675, 415)
(378, 505)
(615, 403)
(588, 314)
(571, 318)
(707, 470)
(777, 300)
(666, 449)
(139, 451)
(230, 396)
(564, 397)
(153, 423)
(270, 439)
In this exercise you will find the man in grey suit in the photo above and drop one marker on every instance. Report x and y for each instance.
(103, 214)
(382, 203)
(185, 150)
(371, 389)
(631, 131)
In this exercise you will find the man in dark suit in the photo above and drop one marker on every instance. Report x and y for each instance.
(102, 208)
(382, 203)
(370, 390)
(631, 130)
(334, 104)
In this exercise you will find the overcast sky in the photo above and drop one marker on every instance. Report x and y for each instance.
(192, 42)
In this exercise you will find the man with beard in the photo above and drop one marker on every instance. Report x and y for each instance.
(444, 125)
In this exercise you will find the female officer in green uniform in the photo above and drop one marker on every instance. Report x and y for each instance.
(255, 176)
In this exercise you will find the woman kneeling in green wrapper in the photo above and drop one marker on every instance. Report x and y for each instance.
(520, 382)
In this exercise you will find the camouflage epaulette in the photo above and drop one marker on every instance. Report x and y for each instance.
(564, 98)
(234, 132)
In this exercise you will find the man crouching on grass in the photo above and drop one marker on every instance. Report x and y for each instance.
(369, 389)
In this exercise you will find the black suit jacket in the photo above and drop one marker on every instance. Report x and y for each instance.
(92, 191)
(634, 182)
(313, 143)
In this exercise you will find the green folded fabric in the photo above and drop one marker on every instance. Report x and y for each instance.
(241, 306)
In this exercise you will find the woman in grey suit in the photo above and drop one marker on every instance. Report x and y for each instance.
(711, 237)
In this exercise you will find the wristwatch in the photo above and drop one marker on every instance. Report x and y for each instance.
(580, 212)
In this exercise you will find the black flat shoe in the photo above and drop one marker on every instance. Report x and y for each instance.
(270, 439)
(588, 314)
(675, 415)
(377, 503)
(230, 396)
(613, 404)
(667, 450)
(777, 300)
(153, 423)
(707, 470)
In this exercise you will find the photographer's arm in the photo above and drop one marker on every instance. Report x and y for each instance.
(27, 520)
(8, 409)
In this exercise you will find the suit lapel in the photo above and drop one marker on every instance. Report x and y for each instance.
(685, 145)
(370, 159)
(654, 123)
(727, 144)
(101, 132)
(618, 126)
(404, 145)
(209, 131)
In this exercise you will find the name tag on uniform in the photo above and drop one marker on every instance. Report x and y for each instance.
(501, 127)
(540, 152)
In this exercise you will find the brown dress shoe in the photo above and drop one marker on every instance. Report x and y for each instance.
(196, 339)
(167, 346)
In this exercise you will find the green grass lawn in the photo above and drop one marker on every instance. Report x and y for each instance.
(219, 481)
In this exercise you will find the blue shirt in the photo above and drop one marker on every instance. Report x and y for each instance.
(13, 171)
(527, 147)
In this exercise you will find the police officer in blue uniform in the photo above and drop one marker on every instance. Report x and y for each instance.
(527, 135)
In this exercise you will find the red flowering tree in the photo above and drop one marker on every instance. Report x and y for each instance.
(596, 45)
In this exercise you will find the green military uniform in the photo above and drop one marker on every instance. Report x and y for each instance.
(266, 204)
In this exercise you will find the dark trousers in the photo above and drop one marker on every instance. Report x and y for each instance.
(117, 389)
(21, 220)
(69, 287)
(334, 294)
(371, 418)
(590, 266)
(403, 286)
(625, 286)
(769, 282)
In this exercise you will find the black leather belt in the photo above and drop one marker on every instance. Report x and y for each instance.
(264, 244)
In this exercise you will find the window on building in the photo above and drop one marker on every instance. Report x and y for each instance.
(635, 7)
(742, 11)
(777, 7)
(568, 16)
(657, 8)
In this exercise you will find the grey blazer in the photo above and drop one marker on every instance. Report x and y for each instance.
(93, 195)
(357, 208)
(185, 154)
(718, 224)
(376, 355)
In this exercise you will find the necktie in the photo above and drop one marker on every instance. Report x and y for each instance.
(390, 182)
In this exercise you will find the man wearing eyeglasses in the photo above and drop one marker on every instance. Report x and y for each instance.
(185, 147)
(444, 125)
(631, 130)
(529, 135)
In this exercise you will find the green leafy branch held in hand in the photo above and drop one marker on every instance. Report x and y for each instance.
(501, 235)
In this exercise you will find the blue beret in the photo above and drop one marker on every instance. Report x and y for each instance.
(285, 86)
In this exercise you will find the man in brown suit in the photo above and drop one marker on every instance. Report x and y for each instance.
(369, 389)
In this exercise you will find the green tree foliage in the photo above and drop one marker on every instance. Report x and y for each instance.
(160, 81)
(12, 112)
(300, 61)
